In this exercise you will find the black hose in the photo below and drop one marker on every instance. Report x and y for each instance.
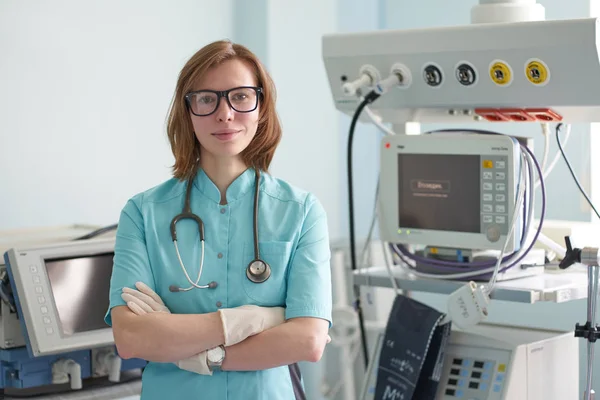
(371, 97)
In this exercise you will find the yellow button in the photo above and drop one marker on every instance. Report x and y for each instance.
(502, 368)
(488, 164)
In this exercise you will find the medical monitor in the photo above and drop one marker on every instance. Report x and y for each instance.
(449, 189)
(62, 294)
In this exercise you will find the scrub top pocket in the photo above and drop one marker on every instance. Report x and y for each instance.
(272, 291)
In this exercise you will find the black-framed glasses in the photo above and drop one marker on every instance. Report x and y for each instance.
(242, 99)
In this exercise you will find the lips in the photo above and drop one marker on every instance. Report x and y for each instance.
(226, 134)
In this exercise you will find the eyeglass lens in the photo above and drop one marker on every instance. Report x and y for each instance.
(240, 99)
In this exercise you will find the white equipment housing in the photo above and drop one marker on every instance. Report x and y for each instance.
(62, 294)
(501, 362)
(523, 71)
(498, 362)
(450, 189)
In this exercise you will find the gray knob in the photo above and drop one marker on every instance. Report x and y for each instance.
(493, 233)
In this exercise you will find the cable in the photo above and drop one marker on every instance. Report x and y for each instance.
(369, 98)
(97, 232)
(550, 168)
(377, 121)
(515, 216)
(562, 151)
(546, 134)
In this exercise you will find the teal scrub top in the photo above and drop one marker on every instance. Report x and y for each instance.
(293, 239)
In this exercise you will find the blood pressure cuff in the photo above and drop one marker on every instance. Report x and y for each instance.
(412, 352)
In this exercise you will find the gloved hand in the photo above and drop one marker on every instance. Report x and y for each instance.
(244, 321)
(143, 300)
(146, 301)
(238, 323)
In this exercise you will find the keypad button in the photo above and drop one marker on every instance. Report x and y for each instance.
(493, 233)
(36, 279)
(500, 187)
(487, 186)
(487, 208)
(500, 176)
(38, 290)
(49, 330)
(487, 175)
(500, 164)
(487, 197)
(41, 299)
(488, 219)
(500, 219)
(500, 197)
(44, 310)
(47, 320)
(500, 209)
(33, 269)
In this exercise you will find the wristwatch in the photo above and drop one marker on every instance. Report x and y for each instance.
(215, 358)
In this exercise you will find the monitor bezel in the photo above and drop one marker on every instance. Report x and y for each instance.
(23, 265)
(450, 143)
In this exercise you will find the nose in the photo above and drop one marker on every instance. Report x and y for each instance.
(224, 111)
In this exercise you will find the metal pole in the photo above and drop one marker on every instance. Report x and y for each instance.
(591, 317)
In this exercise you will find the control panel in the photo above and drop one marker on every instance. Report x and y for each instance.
(470, 73)
(473, 379)
(494, 197)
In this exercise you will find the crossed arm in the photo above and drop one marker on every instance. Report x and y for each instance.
(164, 337)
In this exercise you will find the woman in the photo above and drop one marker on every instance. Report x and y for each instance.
(222, 334)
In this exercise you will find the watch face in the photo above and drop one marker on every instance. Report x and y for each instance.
(216, 355)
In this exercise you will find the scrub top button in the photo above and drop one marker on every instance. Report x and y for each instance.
(219, 304)
(222, 211)
(220, 255)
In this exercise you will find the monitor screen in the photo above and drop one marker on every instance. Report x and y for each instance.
(439, 192)
(80, 288)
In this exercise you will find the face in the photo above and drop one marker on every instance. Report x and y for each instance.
(226, 132)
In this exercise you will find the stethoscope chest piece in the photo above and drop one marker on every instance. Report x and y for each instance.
(258, 271)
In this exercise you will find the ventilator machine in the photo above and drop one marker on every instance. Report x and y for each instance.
(53, 339)
(456, 205)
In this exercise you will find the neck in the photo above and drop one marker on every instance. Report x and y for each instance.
(222, 171)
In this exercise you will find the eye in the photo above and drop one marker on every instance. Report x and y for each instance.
(240, 96)
(205, 99)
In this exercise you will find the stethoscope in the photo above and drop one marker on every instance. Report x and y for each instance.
(258, 271)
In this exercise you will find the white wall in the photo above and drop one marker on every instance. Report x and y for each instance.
(84, 93)
(309, 154)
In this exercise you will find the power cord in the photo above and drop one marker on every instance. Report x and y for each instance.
(98, 232)
(369, 98)
(581, 189)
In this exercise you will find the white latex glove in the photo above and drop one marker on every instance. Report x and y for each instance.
(146, 301)
(244, 321)
(197, 364)
(143, 300)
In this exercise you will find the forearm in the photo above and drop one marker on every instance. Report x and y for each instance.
(163, 337)
(301, 339)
